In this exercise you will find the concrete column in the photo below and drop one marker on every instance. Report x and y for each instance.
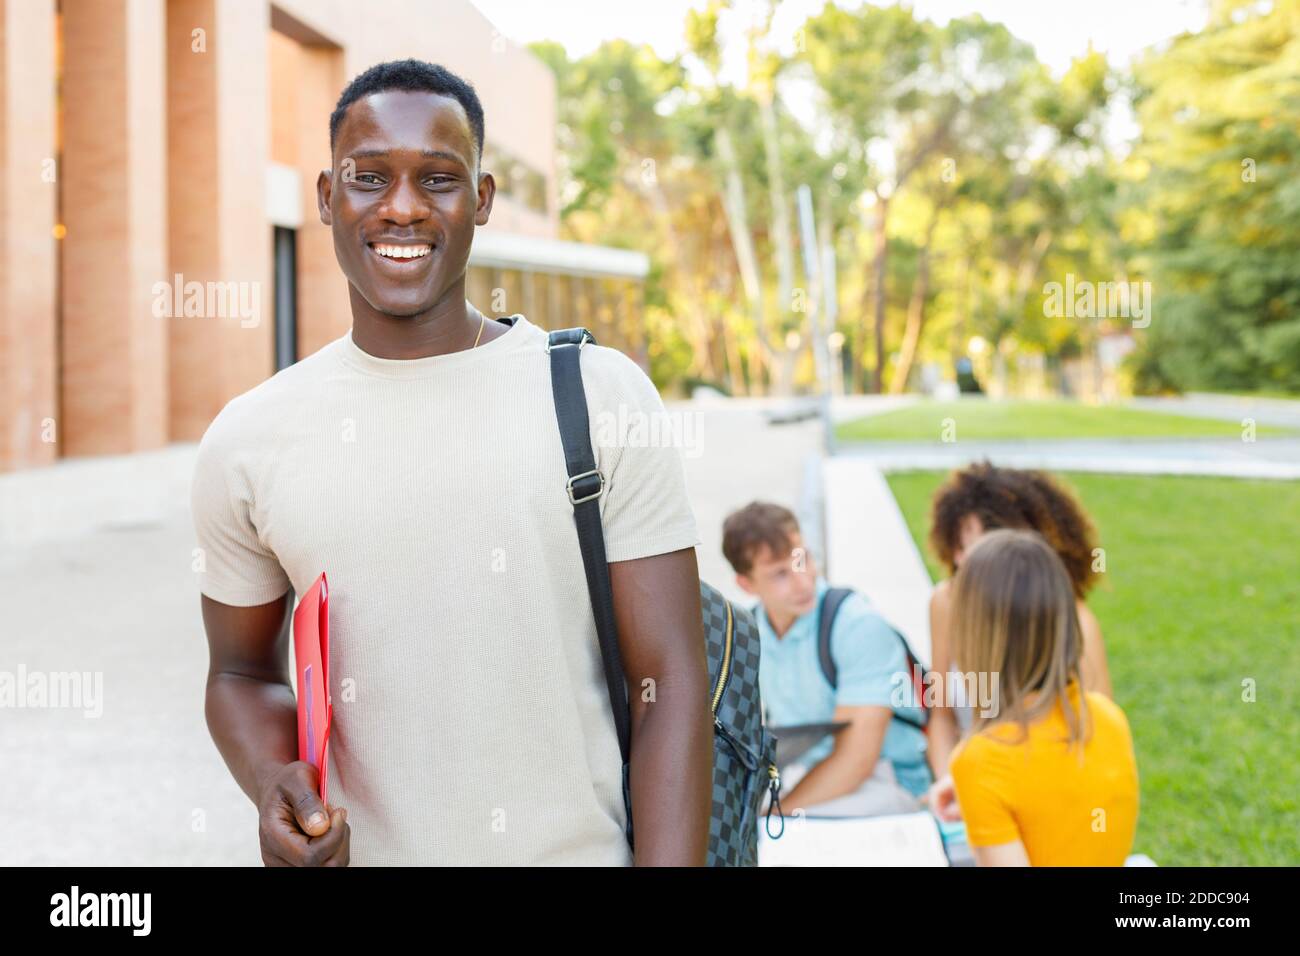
(324, 312)
(218, 148)
(29, 425)
(114, 170)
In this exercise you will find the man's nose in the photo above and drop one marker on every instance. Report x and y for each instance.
(405, 202)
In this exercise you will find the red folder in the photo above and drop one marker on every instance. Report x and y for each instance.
(311, 651)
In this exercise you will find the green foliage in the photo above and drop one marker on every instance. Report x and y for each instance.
(998, 181)
(1220, 113)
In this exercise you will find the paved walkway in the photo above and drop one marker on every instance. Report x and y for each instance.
(744, 458)
(1275, 458)
(1284, 412)
(870, 549)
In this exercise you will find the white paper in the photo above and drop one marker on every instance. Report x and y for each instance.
(909, 839)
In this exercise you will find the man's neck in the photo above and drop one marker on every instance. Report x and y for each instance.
(781, 623)
(450, 325)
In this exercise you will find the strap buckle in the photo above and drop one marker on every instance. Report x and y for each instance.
(555, 339)
(600, 489)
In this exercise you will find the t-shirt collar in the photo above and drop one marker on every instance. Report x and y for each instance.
(356, 358)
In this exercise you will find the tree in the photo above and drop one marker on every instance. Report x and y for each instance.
(1217, 172)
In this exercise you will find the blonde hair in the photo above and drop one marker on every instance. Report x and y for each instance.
(1014, 614)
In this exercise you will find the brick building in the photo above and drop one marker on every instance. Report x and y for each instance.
(160, 250)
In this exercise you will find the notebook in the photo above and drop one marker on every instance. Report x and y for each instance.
(905, 839)
(311, 651)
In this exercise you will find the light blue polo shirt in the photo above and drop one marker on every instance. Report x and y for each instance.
(868, 655)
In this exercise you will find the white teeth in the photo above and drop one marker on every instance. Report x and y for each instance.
(402, 252)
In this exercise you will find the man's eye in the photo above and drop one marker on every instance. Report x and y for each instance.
(365, 177)
(440, 180)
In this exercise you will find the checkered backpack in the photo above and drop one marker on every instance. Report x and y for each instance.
(744, 754)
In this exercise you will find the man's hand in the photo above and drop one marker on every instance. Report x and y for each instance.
(295, 828)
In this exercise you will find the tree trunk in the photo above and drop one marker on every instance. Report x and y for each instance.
(782, 239)
(733, 204)
(915, 319)
(915, 311)
(961, 325)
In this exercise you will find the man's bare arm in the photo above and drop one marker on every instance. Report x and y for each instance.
(251, 711)
(252, 715)
(657, 611)
(850, 762)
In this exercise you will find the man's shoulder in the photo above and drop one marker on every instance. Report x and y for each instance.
(606, 371)
(611, 374)
(857, 613)
(261, 406)
(860, 631)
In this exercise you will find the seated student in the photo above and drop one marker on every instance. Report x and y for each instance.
(1047, 775)
(981, 498)
(877, 764)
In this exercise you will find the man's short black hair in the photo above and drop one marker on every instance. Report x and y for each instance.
(411, 76)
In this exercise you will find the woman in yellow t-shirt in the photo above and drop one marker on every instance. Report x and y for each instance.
(1046, 775)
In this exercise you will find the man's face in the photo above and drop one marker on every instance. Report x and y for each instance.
(785, 582)
(403, 198)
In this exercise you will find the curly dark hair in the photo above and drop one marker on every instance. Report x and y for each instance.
(1015, 498)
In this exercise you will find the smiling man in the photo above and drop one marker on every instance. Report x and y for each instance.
(417, 462)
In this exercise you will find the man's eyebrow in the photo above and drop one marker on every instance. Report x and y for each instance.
(426, 153)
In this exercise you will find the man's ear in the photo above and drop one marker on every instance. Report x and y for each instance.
(746, 585)
(324, 185)
(487, 190)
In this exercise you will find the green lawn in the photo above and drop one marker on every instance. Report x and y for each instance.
(985, 419)
(1201, 592)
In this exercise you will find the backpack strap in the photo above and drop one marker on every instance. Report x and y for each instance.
(585, 486)
(831, 602)
(917, 674)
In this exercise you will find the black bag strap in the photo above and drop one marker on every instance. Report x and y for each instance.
(830, 606)
(585, 487)
(831, 602)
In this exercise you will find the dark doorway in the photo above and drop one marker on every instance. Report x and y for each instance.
(286, 297)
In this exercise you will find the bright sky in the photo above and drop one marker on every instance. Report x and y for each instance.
(1058, 29)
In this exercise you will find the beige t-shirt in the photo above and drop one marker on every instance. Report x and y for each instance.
(472, 723)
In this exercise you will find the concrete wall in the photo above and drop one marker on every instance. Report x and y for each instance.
(28, 248)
